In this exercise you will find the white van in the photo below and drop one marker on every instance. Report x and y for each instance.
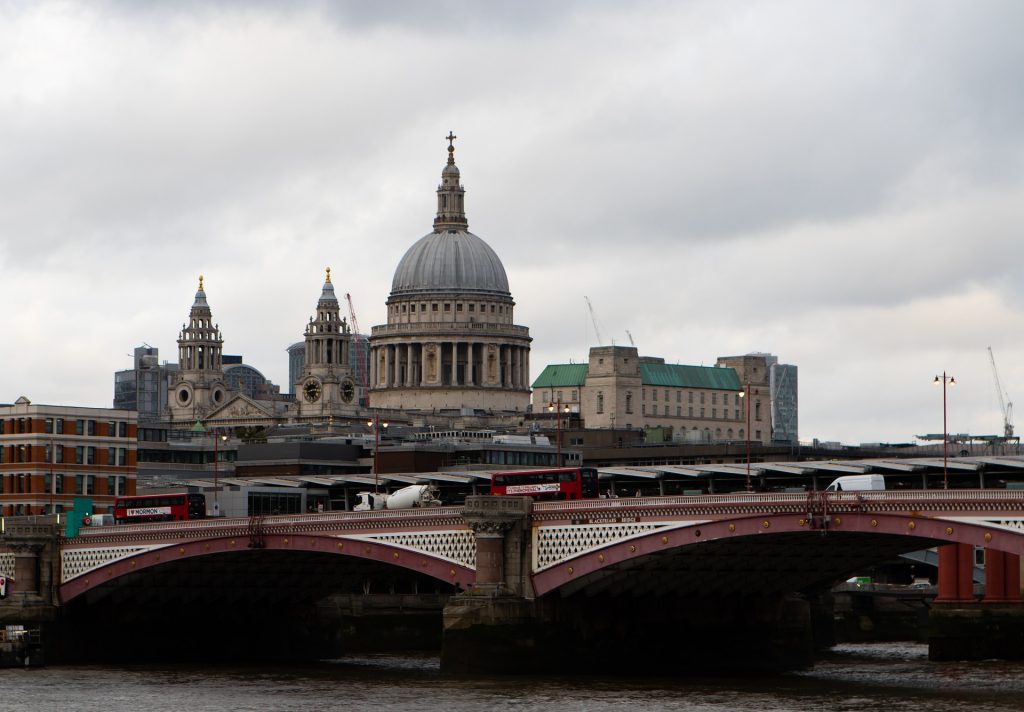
(857, 483)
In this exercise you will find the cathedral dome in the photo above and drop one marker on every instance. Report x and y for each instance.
(450, 260)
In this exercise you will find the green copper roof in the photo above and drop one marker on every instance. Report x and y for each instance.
(562, 374)
(665, 374)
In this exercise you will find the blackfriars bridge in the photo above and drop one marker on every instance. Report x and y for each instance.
(680, 580)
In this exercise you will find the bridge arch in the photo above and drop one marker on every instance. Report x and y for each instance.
(439, 568)
(900, 532)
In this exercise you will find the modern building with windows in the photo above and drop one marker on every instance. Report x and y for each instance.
(51, 454)
(144, 387)
(773, 387)
(618, 388)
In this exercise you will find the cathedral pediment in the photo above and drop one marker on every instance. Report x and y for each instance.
(241, 407)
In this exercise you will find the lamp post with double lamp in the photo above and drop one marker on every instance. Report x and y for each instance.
(557, 409)
(945, 379)
(217, 438)
(376, 424)
(745, 395)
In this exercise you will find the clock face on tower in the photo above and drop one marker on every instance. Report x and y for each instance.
(311, 390)
(348, 390)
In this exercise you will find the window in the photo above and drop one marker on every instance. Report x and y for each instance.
(49, 425)
(111, 455)
(433, 307)
(679, 396)
(472, 307)
(90, 427)
(679, 411)
(122, 456)
(574, 396)
(629, 401)
(60, 426)
(423, 307)
(58, 455)
(79, 427)
(79, 454)
(643, 409)
(458, 307)
(112, 428)
(757, 434)
(714, 412)
(447, 307)
(90, 456)
(714, 398)
(702, 397)
(689, 411)
(702, 412)
(666, 394)
(58, 484)
(736, 414)
(600, 402)
(79, 484)
(654, 394)
(757, 411)
(122, 429)
(689, 396)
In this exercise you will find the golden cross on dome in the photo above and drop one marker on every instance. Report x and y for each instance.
(451, 147)
(328, 275)
(200, 283)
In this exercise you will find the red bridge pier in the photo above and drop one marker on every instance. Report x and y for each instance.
(960, 627)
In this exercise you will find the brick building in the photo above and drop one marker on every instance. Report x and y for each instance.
(50, 454)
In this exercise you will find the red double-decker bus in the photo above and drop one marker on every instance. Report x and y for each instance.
(159, 508)
(560, 483)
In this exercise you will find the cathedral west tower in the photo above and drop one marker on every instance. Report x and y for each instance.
(451, 342)
(198, 387)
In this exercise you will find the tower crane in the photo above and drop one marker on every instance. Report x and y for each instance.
(362, 377)
(631, 343)
(593, 318)
(1004, 399)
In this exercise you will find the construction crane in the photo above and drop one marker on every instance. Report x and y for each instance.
(1004, 399)
(362, 377)
(593, 318)
(630, 338)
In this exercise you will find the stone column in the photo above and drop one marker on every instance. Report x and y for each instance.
(965, 571)
(995, 576)
(469, 364)
(387, 366)
(499, 524)
(948, 574)
(26, 567)
(455, 363)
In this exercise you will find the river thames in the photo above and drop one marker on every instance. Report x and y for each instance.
(889, 677)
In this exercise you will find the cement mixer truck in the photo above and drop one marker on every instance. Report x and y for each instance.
(405, 498)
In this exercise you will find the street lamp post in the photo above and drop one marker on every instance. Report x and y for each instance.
(745, 394)
(556, 408)
(376, 424)
(217, 438)
(945, 379)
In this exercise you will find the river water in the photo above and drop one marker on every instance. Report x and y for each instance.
(865, 678)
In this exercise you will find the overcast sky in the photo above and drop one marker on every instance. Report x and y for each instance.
(839, 184)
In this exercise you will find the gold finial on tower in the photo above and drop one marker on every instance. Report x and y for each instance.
(328, 275)
(451, 147)
(200, 283)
